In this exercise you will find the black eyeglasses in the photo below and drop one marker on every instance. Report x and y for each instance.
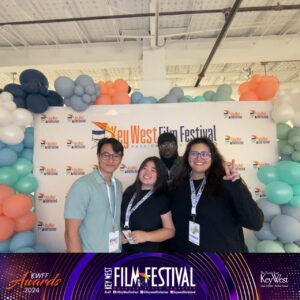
(167, 145)
(108, 156)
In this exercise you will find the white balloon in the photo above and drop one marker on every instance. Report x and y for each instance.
(296, 101)
(284, 99)
(22, 117)
(296, 119)
(6, 96)
(5, 117)
(8, 104)
(12, 134)
(282, 113)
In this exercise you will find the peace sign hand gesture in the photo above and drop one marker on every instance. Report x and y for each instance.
(231, 173)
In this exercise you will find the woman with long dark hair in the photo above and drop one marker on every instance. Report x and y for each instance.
(210, 205)
(145, 213)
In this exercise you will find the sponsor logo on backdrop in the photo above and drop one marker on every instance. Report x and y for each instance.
(273, 279)
(49, 119)
(73, 118)
(44, 198)
(257, 164)
(138, 136)
(42, 226)
(256, 139)
(30, 282)
(44, 144)
(232, 114)
(128, 169)
(73, 144)
(74, 171)
(233, 140)
(238, 166)
(46, 171)
(255, 114)
(149, 280)
(259, 192)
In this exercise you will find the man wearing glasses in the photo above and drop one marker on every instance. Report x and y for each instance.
(168, 152)
(92, 208)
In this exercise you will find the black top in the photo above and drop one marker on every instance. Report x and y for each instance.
(221, 217)
(146, 217)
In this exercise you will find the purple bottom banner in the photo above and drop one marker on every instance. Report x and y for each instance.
(150, 276)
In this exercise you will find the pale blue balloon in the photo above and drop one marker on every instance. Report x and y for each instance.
(87, 98)
(177, 92)
(29, 130)
(67, 101)
(84, 80)
(269, 209)
(283, 131)
(22, 240)
(170, 99)
(208, 95)
(78, 90)
(279, 192)
(2, 145)
(265, 233)
(25, 250)
(291, 248)
(136, 97)
(148, 100)
(90, 89)
(184, 100)
(98, 92)
(267, 174)
(64, 86)
(291, 211)
(286, 228)
(4, 246)
(28, 140)
(7, 157)
(77, 104)
(27, 153)
(41, 249)
(18, 148)
(269, 247)
(8, 176)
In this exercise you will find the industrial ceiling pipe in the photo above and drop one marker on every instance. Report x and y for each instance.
(220, 37)
(161, 14)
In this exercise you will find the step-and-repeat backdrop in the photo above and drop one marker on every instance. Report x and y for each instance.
(66, 144)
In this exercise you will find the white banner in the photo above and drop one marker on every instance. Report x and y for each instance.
(65, 146)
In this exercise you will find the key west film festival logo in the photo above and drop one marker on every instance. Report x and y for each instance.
(137, 136)
(143, 280)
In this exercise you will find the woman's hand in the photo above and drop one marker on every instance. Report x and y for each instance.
(231, 173)
(124, 240)
(139, 236)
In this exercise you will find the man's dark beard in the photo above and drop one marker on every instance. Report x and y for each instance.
(169, 161)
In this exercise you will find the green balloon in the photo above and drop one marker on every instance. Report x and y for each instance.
(279, 192)
(293, 140)
(280, 145)
(297, 146)
(287, 149)
(296, 156)
(289, 171)
(198, 99)
(296, 189)
(295, 201)
(23, 166)
(291, 248)
(8, 176)
(283, 131)
(295, 131)
(208, 95)
(189, 97)
(268, 246)
(27, 184)
(267, 174)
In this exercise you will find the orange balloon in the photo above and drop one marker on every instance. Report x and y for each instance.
(5, 192)
(121, 85)
(109, 84)
(120, 98)
(256, 78)
(267, 88)
(25, 222)
(111, 92)
(7, 226)
(103, 88)
(103, 100)
(1, 209)
(248, 96)
(246, 87)
(17, 205)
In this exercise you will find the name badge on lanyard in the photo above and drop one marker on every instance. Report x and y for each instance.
(194, 228)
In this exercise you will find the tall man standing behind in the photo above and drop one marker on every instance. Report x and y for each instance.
(92, 208)
(168, 152)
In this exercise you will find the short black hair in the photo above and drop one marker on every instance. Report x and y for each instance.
(116, 145)
(166, 137)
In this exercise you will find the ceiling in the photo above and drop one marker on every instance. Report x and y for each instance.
(260, 39)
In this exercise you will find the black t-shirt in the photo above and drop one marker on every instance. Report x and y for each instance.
(147, 217)
(221, 217)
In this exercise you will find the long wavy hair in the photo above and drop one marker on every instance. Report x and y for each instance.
(160, 185)
(216, 170)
